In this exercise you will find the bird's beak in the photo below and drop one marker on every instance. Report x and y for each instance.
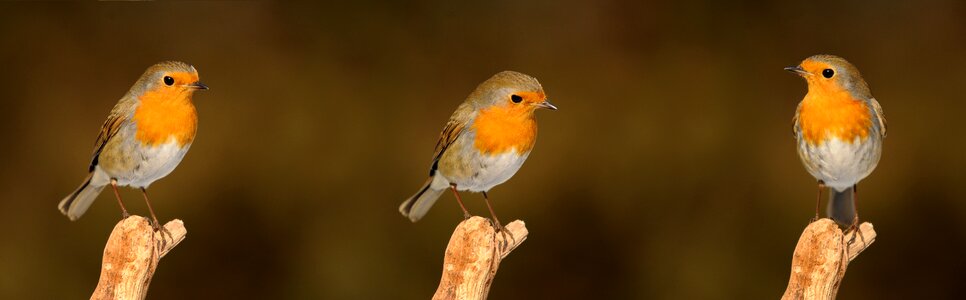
(546, 104)
(198, 86)
(797, 70)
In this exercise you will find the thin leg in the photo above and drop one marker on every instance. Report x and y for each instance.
(818, 199)
(499, 226)
(466, 213)
(855, 203)
(117, 195)
(154, 218)
(855, 220)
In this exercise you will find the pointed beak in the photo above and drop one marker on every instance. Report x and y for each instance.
(797, 70)
(546, 104)
(198, 86)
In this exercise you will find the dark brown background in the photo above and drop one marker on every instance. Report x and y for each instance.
(669, 171)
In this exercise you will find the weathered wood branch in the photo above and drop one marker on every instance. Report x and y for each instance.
(472, 257)
(131, 256)
(821, 257)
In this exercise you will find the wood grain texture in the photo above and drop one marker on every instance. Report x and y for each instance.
(131, 256)
(473, 256)
(821, 257)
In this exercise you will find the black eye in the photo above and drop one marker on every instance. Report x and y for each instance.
(828, 73)
(168, 80)
(516, 98)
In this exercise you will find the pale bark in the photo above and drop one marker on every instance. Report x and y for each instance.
(473, 256)
(131, 256)
(821, 258)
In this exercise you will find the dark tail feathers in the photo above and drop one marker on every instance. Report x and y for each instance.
(75, 204)
(841, 207)
(419, 204)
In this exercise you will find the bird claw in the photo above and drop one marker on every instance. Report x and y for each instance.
(164, 231)
(854, 229)
(507, 236)
(507, 242)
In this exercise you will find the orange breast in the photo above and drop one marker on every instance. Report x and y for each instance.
(833, 114)
(502, 128)
(164, 114)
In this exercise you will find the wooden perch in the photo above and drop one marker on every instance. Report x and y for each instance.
(132, 255)
(473, 256)
(821, 257)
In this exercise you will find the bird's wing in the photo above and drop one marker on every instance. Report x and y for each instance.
(452, 131)
(880, 116)
(111, 127)
(796, 127)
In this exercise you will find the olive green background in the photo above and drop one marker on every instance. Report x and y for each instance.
(669, 171)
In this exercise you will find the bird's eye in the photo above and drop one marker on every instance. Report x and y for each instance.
(168, 80)
(828, 73)
(516, 98)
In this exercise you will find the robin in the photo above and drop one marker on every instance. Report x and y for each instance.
(144, 138)
(484, 143)
(839, 127)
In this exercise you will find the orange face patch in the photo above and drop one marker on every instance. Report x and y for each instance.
(502, 128)
(816, 81)
(826, 113)
(814, 67)
(183, 78)
(532, 97)
(164, 113)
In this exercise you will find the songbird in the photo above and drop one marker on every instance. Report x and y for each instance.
(484, 143)
(144, 138)
(839, 128)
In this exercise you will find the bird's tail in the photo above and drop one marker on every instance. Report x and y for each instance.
(419, 204)
(75, 204)
(841, 206)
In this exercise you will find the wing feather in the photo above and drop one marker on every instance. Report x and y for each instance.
(880, 116)
(796, 127)
(451, 132)
(109, 129)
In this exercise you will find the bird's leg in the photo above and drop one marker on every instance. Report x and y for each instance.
(499, 226)
(818, 199)
(117, 195)
(466, 213)
(855, 220)
(154, 218)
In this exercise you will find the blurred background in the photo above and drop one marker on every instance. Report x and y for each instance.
(669, 171)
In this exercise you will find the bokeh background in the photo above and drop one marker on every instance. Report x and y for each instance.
(669, 171)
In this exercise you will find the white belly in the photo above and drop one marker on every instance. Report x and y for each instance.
(492, 171)
(157, 162)
(841, 164)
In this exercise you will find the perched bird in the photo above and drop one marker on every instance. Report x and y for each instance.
(839, 127)
(144, 138)
(484, 143)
